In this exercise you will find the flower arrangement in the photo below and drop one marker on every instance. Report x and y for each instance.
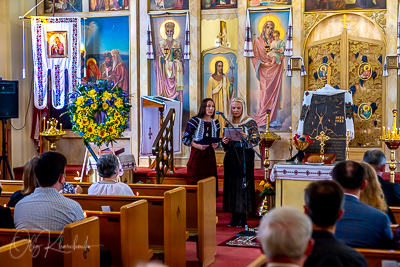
(302, 142)
(268, 188)
(99, 112)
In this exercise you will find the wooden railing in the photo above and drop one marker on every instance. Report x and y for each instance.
(163, 147)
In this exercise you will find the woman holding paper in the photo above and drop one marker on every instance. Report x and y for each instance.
(201, 135)
(236, 153)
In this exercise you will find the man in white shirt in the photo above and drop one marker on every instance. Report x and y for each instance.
(285, 237)
(45, 208)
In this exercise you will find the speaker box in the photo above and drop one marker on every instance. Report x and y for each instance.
(8, 99)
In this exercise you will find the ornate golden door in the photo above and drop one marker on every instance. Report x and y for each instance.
(355, 64)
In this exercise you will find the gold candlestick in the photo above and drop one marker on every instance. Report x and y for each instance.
(267, 140)
(392, 141)
(290, 143)
(347, 145)
(322, 138)
(52, 134)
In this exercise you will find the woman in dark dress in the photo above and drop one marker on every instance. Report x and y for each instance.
(202, 162)
(234, 198)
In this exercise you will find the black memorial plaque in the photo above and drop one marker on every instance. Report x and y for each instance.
(327, 113)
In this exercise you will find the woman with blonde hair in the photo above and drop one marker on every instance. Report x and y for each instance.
(238, 153)
(29, 185)
(372, 194)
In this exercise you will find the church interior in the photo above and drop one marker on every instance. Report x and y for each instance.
(314, 79)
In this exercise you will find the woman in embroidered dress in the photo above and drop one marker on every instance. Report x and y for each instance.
(202, 162)
(234, 200)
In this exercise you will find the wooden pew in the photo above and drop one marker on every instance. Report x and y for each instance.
(167, 220)
(10, 255)
(374, 257)
(200, 210)
(78, 245)
(125, 233)
(396, 213)
(261, 261)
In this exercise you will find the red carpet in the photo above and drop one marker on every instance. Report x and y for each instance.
(226, 256)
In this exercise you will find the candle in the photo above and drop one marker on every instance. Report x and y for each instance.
(84, 214)
(44, 124)
(60, 127)
(47, 125)
(383, 131)
(388, 131)
(77, 177)
(5, 205)
(137, 193)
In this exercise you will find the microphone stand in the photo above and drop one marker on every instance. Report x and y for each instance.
(246, 232)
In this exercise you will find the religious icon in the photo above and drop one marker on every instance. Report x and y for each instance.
(364, 111)
(218, 4)
(392, 62)
(110, 60)
(108, 5)
(269, 3)
(271, 85)
(57, 44)
(295, 63)
(364, 71)
(329, 5)
(156, 5)
(219, 85)
(63, 6)
(323, 71)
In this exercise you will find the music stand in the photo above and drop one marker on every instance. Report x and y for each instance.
(4, 156)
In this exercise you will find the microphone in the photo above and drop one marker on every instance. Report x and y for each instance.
(219, 112)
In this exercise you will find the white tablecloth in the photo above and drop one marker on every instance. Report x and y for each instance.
(292, 171)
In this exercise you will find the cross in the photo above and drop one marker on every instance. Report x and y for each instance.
(344, 20)
(322, 138)
(150, 133)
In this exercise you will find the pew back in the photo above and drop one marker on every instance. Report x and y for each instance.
(11, 254)
(48, 247)
(167, 219)
(125, 233)
(82, 243)
(374, 257)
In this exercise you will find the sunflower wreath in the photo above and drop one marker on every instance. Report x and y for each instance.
(99, 112)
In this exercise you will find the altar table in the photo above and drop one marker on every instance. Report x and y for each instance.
(291, 179)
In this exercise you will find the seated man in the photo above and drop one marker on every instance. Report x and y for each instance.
(324, 204)
(108, 168)
(45, 208)
(285, 237)
(361, 226)
(377, 160)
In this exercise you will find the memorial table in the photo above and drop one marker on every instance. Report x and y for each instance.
(292, 178)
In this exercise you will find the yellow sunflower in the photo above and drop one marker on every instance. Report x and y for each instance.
(117, 123)
(85, 122)
(102, 133)
(117, 114)
(93, 106)
(105, 106)
(90, 130)
(111, 131)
